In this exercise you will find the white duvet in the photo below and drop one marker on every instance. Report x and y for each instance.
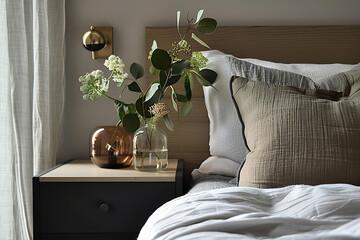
(329, 211)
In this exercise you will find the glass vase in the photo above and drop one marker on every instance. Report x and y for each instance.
(111, 147)
(150, 149)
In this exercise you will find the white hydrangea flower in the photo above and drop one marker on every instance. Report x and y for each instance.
(116, 65)
(120, 77)
(103, 86)
(93, 85)
(98, 74)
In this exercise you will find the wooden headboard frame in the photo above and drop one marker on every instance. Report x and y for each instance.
(286, 44)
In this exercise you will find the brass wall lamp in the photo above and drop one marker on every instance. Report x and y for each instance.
(99, 40)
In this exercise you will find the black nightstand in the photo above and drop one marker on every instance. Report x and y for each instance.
(78, 200)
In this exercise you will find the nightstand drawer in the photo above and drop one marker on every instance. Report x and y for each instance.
(107, 207)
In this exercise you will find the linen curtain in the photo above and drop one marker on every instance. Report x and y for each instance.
(32, 79)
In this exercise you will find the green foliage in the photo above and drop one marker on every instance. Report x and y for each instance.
(209, 75)
(153, 71)
(170, 68)
(142, 108)
(143, 104)
(196, 38)
(131, 122)
(188, 85)
(182, 98)
(134, 87)
(173, 99)
(122, 109)
(137, 71)
(186, 108)
(199, 15)
(153, 92)
(179, 67)
(160, 59)
(172, 80)
(162, 78)
(168, 123)
(207, 25)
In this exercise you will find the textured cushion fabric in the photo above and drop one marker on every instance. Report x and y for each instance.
(215, 165)
(299, 136)
(225, 141)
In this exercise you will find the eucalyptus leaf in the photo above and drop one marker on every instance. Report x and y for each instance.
(173, 99)
(153, 71)
(156, 98)
(153, 89)
(142, 108)
(196, 38)
(154, 45)
(207, 25)
(191, 80)
(132, 108)
(186, 108)
(201, 80)
(152, 96)
(168, 123)
(137, 71)
(160, 59)
(178, 20)
(200, 13)
(119, 106)
(209, 75)
(162, 78)
(182, 98)
(131, 122)
(172, 80)
(179, 67)
(187, 86)
(134, 87)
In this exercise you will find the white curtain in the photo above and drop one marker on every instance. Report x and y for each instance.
(32, 79)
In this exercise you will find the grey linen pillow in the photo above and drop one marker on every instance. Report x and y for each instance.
(299, 136)
(226, 145)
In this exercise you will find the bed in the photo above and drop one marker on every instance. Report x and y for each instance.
(260, 145)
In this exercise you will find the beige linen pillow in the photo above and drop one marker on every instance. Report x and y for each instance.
(225, 142)
(299, 136)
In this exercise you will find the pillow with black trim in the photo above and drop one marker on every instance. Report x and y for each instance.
(299, 136)
(225, 142)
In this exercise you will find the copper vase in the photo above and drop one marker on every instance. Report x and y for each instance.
(111, 147)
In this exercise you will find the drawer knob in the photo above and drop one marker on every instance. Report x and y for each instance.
(104, 207)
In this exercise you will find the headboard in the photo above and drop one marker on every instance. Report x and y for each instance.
(286, 44)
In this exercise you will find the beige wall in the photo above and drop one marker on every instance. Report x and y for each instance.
(129, 17)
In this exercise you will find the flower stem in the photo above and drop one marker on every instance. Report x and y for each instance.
(105, 95)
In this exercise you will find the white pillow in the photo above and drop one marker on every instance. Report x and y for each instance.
(225, 140)
(216, 165)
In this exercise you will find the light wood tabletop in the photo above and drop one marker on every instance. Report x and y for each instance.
(86, 171)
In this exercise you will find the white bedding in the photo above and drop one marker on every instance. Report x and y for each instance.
(329, 211)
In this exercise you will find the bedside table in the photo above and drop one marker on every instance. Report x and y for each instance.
(78, 200)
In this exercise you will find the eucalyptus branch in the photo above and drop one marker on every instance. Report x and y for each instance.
(163, 88)
(105, 95)
(189, 20)
(147, 89)
(122, 91)
(186, 32)
(167, 79)
(111, 74)
(143, 107)
(95, 84)
(178, 30)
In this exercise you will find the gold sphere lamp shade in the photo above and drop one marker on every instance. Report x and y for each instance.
(99, 41)
(111, 147)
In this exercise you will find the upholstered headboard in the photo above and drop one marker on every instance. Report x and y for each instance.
(286, 44)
